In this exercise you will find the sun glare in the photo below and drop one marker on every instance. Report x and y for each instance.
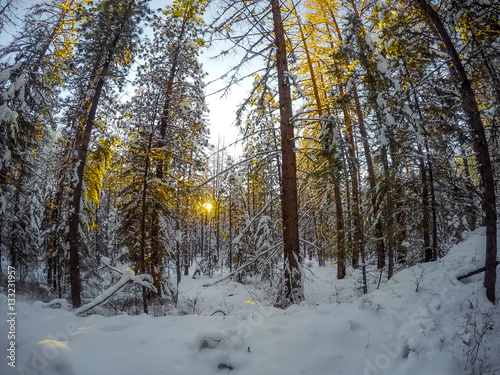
(207, 206)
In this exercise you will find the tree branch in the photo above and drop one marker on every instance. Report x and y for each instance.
(472, 273)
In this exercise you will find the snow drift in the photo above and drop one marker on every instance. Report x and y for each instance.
(423, 321)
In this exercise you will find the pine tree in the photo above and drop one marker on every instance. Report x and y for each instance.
(168, 134)
(105, 52)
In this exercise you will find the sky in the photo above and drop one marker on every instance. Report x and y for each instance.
(222, 107)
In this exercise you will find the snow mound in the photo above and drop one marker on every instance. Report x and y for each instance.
(50, 357)
(422, 321)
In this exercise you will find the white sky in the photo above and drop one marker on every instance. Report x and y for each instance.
(222, 108)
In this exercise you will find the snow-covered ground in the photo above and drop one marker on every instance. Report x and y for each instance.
(423, 321)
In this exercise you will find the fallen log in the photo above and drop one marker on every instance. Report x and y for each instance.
(472, 273)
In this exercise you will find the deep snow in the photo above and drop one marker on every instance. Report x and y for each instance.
(446, 327)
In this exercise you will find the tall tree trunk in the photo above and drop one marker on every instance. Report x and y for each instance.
(425, 211)
(144, 210)
(230, 232)
(471, 215)
(480, 144)
(430, 253)
(433, 205)
(389, 213)
(294, 292)
(13, 231)
(82, 145)
(379, 230)
(339, 218)
(178, 270)
(353, 169)
(341, 270)
(185, 253)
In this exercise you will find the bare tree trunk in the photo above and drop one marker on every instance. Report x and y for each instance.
(379, 233)
(13, 232)
(294, 292)
(471, 216)
(178, 270)
(389, 213)
(143, 219)
(156, 247)
(352, 165)
(425, 211)
(430, 253)
(230, 233)
(433, 206)
(339, 218)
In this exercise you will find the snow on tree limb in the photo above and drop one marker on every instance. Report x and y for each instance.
(237, 239)
(127, 276)
(239, 269)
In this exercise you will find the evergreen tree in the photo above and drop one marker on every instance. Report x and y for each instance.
(168, 133)
(105, 49)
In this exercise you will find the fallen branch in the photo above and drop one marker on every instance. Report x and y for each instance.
(239, 269)
(127, 276)
(219, 311)
(472, 273)
(58, 303)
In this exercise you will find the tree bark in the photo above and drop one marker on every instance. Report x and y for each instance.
(144, 210)
(293, 292)
(425, 211)
(339, 218)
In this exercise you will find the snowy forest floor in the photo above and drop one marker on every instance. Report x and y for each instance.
(422, 321)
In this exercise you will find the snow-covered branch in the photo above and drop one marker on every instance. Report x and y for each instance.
(239, 269)
(127, 276)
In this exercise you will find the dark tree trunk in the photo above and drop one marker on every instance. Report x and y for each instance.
(230, 233)
(339, 218)
(293, 292)
(357, 221)
(82, 145)
(156, 247)
(358, 238)
(389, 213)
(144, 210)
(178, 266)
(14, 232)
(433, 207)
(480, 144)
(379, 230)
(379, 233)
(425, 212)
(471, 215)
(430, 253)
